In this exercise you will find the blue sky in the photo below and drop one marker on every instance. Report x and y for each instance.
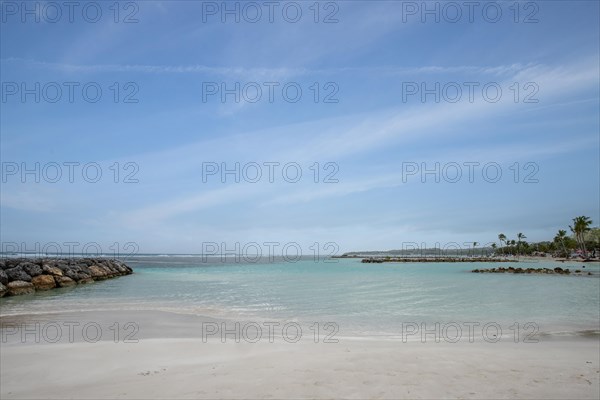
(375, 129)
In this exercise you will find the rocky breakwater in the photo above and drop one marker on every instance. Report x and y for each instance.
(26, 276)
(379, 260)
(547, 271)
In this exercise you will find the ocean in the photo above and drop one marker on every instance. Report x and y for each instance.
(361, 299)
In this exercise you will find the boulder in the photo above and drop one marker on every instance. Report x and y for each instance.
(3, 277)
(71, 273)
(14, 262)
(47, 273)
(43, 282)
(17, 288)
(121, 269)
(110, 271)
(52, 270)
(83, 268)
(62, 266)
(17, 274)
(64, 281)
(97, 272)
(8, 264)
(3, 290)
(82, 275)
(31, 269)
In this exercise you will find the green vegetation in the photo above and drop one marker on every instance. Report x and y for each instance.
(584, 238)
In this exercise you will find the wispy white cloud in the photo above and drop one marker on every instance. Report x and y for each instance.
(498, 70)
(364, 134)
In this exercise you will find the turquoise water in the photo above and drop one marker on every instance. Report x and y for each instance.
(360, 298)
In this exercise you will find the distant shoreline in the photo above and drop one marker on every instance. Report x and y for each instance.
(366, 258)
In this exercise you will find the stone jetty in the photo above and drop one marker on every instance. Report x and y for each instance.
(546, 271)
(26, 276)
(378, 260)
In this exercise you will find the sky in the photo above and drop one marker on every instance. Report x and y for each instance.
(175, 126)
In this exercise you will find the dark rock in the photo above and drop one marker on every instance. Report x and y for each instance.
(83, 269)
(3, 277)
(5, 265)
(31, 269)
(82, 275)
(62, 266)
(74, 267)
(17, 274)
(71, 273)
(17, 288)
(8, 264)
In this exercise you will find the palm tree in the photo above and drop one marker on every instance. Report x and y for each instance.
(560, 238)
(511, 243)
(581, 225)
(520, 236)
(493, 245)
(474, 245)
(502, 238)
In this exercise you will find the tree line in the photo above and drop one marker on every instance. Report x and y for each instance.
(584, 238)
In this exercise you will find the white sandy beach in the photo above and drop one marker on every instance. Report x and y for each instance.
(353, 368)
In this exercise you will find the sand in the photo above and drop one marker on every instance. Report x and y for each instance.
(190, 367)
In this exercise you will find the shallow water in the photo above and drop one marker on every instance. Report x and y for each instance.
(369, 299)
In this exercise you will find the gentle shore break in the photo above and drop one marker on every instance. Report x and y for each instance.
(26, 276)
